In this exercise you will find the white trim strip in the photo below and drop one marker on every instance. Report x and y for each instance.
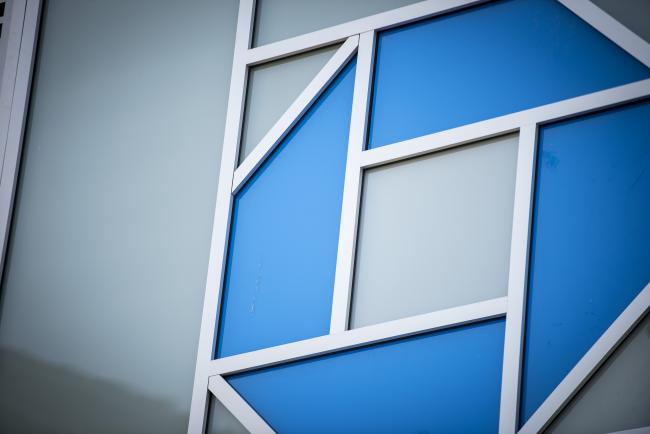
(220, 226)
(293, 114)
(330, 35)
(441, 319)
(505, 124)
(517, 279)
(15, 91)
(239, 408)
(589, 363)
(352, 185)
(611, 28)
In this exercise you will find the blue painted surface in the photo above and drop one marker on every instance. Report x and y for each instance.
(488, 61)
(591, 239)
(443, 382)
(284, 236)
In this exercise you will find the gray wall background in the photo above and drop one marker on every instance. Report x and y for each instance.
(102, 295)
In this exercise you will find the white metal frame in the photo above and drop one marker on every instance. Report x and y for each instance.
(15, 89)
(359, 37)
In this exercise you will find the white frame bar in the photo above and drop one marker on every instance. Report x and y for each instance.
(237, 406)
(360, 36)
(611, 28)
(517, 279)
(589, 363)
(505, 124)
(293, 114)
(15, 91)
(221, 223)
(439, 320)
(352, 184)
(377, 22)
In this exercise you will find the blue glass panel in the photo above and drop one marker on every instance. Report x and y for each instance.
(443, 382)
(284, 236)
(591, 233)
(488, 61)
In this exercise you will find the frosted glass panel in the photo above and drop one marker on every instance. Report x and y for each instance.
(634, 14)
(221, 421)
(103, 288)
(435, 232)
(272, 22)
(272, 88)
(617, 398)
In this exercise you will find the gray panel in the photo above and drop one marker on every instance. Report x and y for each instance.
(618, 396)
(272, 88)
(221, 421)
(4, 36)
(435, 232)
(634, 14)
(103, 290)
(281, 19)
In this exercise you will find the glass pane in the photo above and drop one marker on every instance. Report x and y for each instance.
(423, 384)
(488, 61)
(4, 35)
(634, 14)
(221, 421)
(272, 88)
(103, 289)
(271, 23)
(435, 232)
(590, 238)
(617, 398)
(285, 224)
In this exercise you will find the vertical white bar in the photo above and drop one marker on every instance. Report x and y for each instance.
(221, 223)
(517, 279)
(14, 97)
(352, 186)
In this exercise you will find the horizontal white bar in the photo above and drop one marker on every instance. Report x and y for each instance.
(589, 363)
(362, 336)
(239, 408)
(293, 114)
(330, 35)
(505, 124)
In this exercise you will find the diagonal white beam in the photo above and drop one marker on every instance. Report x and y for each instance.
(589, 363)
(438, 320)
(293, 114)
(611, 28)
(239, 408)
(505, 124)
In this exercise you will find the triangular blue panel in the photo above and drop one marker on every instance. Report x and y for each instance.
(591, 235)
(488, 61)
(285, 224)
(441, 382)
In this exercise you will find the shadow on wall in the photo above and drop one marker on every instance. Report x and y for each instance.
(38, 397)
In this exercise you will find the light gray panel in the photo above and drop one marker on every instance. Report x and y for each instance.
(272, 88)
(103, 289)
(4, 36)
(617, 397)
(634, 14)
(435, 232)
(221, 421)
(281, 19)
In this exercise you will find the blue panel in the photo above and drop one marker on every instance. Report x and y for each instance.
(284, 236)
(444, 382)
(488, 61)
(591, 238)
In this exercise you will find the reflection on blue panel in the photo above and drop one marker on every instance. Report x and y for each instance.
(591, 239)
(488, 61)
(443, 382)
(284, 236)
